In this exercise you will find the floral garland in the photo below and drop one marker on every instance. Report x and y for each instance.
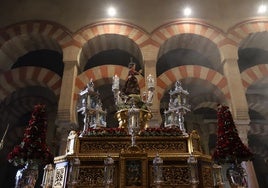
(161, 132)
(33, 147)
(107, 132)
(118, 132)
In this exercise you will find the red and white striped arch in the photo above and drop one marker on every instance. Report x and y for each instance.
(133, 32)
(201, 28)
(253, 74)
(242, 30)
(28, 76)
(168, 78)
(45, 28)
(102, 75)
(18, 39)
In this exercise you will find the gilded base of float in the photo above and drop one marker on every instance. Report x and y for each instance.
(92, 150)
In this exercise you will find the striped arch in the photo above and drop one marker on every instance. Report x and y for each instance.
(207, 104)
(133, 32)
(28, 76)
(166, 79)
(253, 74)
(44, 28)
(258, 130)
(102, 75)
(201, 28)
(16, 40)
(257, 103)
(242, 30)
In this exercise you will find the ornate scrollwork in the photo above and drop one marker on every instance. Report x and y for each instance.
(175, 176)
(59, 177)
(174, 150)
(91, 176)
(113, 146)
(207, 178)
(87, 147)
(164, 146)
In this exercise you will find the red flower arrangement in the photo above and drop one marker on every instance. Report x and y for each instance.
(229, 147)
(106, 132)
(161, 132)
(33, 147)
(123, 132)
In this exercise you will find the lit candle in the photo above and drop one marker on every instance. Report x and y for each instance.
(150, 81)
(133, 121)
(115, 82)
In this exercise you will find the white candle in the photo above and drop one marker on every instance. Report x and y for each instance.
(115, 82)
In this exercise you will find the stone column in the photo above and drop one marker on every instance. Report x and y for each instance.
(66, 109)
(66, 117)
(150, 69)
(63, 130)
(239, 106)
(239, 109)
(149, 53)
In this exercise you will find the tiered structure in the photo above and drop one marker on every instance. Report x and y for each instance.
(90, 107)
(134, 164)
(178, 107)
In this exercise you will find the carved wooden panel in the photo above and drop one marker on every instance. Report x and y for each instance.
(134, 164)
(207, 176)
(88, 147)
(116, 145)
(91, 176)
(60, 175)
(164, 146)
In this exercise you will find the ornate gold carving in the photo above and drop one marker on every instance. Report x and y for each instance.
(87, 147)
(164, 146)
(175, 175)
(59, 177)
(148, 144)
(91, 176)
(92, 150)
(195, 139)
(207, 176)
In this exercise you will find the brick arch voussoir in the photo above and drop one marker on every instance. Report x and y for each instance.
(253, 74)
(45, 28)
(14, 79)
(138, 35)
(161, 34)
(167, 79)
(240, 31)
